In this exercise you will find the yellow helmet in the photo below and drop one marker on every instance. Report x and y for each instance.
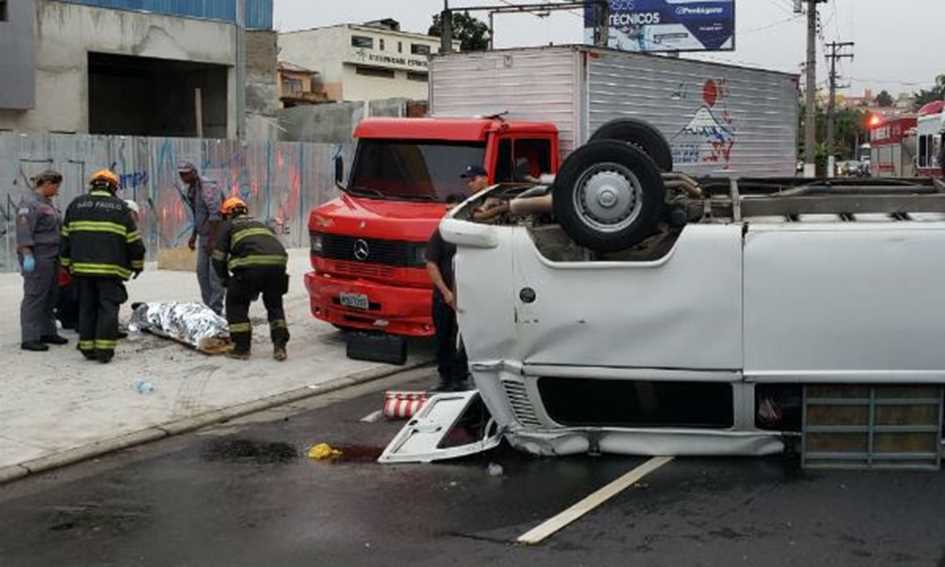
(104, 177)
(233, 205)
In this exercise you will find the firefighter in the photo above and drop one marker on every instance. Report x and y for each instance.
(102, 248)
(37, 245)
(248, 249)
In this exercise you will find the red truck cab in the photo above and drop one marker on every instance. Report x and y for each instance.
(367, 246)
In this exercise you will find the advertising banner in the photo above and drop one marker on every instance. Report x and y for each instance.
(668, 25)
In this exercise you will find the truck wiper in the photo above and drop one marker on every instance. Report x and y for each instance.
(416, 197)
(367, 191)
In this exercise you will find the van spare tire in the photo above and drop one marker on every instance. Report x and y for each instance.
(639, 134)
(608, 196)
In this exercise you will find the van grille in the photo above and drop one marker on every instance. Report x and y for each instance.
(521, 405)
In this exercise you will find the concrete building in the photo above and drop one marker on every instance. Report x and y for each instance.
(359, 62)
(129, 67)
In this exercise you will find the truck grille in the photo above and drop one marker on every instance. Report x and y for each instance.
(386, 252)
(362, 269)
(521, 405)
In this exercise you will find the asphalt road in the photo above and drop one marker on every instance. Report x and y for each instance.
(245, 494)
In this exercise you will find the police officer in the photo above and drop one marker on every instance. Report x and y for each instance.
(450, 357)
(204, 198)
(257, 260)
(102, 248)
(37, 244)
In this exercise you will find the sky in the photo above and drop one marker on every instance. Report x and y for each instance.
(898, 43)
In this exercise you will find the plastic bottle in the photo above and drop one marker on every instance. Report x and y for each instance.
(144, 387)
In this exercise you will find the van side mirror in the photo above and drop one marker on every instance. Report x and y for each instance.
(339, 170)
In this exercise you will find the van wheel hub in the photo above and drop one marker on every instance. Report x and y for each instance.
(609, 197)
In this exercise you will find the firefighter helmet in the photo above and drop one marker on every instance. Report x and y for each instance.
(234, 205)
(104, 177)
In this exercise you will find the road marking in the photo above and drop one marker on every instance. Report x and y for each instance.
(373, 416)
(552, 525)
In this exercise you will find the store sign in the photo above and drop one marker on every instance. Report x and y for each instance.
(375, 58)
(667, 25)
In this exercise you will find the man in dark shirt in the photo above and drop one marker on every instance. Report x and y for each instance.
(450, 353)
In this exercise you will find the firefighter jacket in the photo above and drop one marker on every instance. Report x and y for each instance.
(244, 242)
(100, 239)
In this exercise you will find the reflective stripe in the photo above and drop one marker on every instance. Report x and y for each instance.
(137, 264)
(258, 260)
(106, 344)
(100, 194)
(86, 345)
(100, 270)
(218, 255)
(98, 226)
(240, 327)
(64, 231)
(65, 262)
(247, 232)
(133, 237)
(279, 324)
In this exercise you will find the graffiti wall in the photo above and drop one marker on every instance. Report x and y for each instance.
(280, 181)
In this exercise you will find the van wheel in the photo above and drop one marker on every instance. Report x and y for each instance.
(608, 195)
(639, 134)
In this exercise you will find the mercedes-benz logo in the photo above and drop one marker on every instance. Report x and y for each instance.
(361, 250)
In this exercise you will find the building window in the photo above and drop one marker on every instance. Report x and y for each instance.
(374, 72)
(3, 11)
(381, 43)
(362, 41)
(414, 76)
(293, 86)
(419, 49)
(400, 47)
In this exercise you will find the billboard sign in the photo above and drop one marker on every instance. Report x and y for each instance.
(667, 25)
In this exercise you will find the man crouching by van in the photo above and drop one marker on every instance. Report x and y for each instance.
(451, 360)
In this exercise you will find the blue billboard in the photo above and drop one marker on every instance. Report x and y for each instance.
(668, 25)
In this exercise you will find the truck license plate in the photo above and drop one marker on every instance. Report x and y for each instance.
(355, 300)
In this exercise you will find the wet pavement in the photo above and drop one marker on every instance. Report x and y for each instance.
(248, 495)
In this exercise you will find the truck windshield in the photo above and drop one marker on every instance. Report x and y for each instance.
(413, 169)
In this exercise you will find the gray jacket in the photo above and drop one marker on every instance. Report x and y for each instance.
(205, 199)
(38, 225)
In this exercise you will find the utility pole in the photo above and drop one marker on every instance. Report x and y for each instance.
(446, 28)
(835, 54)
(810, 124)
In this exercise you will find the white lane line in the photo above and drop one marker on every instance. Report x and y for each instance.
(552, 525)
(373, 416)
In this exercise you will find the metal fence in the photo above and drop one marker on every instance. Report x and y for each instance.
(281, 181)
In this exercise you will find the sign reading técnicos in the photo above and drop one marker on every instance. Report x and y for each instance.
(668, 25)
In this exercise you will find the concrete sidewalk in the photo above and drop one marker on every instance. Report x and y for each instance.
(55, 405)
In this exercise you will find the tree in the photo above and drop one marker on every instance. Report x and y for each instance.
(926, 96)
(472, 33)
(885, 99)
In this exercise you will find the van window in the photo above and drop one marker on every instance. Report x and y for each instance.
(923, 151)
(503, 165)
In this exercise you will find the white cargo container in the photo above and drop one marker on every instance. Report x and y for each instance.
(720, 120)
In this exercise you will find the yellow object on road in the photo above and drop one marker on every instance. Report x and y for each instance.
(323, 451)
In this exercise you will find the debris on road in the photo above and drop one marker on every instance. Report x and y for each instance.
(323, 451)
(144, 387)
(192, 324)
(399, 404)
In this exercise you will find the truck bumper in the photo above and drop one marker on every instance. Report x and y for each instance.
(396, 310)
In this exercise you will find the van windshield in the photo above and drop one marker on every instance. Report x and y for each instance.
(413, 170)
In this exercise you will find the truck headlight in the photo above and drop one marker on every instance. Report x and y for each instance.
(318, 243)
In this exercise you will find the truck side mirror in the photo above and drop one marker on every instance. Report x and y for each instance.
(339, 170)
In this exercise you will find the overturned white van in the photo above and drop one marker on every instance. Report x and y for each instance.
(631, 311)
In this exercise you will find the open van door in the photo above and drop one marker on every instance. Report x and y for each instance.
(448, 426)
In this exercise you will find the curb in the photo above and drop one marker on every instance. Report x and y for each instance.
(188, 424)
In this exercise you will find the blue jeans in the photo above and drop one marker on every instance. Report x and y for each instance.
(211, 288)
